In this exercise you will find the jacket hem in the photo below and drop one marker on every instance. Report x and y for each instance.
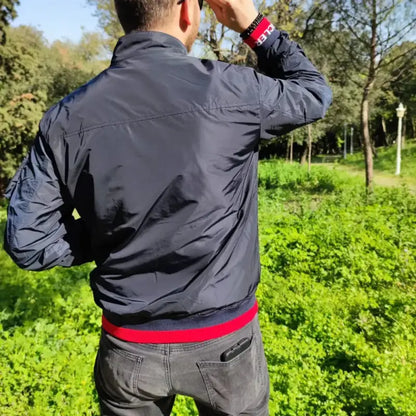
(181, 335)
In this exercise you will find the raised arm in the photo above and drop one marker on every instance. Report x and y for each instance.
(41, 232)
(292, 92)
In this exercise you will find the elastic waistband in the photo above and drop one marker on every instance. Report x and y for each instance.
(182, 335)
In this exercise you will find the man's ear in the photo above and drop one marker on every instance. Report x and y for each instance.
(185, 20)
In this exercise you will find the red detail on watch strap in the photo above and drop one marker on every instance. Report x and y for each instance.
(260, 33)
(183, 335)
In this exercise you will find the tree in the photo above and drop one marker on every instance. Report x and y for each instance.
(24, 78)
(34, 76)
(403, 86)
(75, 63)
(223, 44)
(375, 28)
(319, 44)
(108, 21)
(7, 13)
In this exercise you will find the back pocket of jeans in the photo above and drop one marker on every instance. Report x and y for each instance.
(117, 374)
(235, 385)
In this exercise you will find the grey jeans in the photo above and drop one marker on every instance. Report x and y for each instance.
(143, 379)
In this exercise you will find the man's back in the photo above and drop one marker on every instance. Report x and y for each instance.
(159, 156)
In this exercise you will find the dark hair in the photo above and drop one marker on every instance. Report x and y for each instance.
(142, 14)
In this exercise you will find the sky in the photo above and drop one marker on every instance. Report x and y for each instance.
(57, 19)
(62, 19)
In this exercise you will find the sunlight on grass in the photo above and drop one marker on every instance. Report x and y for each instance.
(337, 307)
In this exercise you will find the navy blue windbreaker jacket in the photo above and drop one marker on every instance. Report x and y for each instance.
(159, 155)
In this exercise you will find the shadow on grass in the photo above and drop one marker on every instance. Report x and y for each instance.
(326, 159)
(309, 186)
(275, 174)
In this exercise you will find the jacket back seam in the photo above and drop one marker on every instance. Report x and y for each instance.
(154, 117)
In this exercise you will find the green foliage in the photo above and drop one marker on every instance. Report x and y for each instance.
(337, 302)
(75, 64)
(49, 334)
(338, 294)
(107, 17)
(281, 180)
(23, 78)
(33, 76)
(7, 12)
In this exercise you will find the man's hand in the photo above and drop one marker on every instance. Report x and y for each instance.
(235, 14)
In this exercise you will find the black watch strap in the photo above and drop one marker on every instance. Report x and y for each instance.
(252, 27)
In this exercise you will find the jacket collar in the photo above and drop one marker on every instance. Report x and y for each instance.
(135, 42)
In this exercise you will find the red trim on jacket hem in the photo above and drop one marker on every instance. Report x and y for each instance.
(260, 33)
(182, 335)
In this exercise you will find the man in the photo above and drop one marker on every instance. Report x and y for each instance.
(158, 154)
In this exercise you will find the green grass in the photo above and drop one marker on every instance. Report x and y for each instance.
(337, 307)
(386, 160)
(338, 293)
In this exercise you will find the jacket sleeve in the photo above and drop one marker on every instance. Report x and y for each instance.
(40, 231)
(292, 91)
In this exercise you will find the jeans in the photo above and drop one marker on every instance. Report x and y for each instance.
(143, 379)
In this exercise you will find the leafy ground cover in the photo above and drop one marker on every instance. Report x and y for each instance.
(338, 294)
(386, 159)
(384, 166)
(337, 301)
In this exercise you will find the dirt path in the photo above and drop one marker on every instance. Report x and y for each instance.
(380, 178)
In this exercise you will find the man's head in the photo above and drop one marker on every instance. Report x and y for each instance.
(179, 18)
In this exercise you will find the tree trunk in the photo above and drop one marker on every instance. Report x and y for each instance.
(373, 148)
(304, 155)
(384, 129)
(367, 147)
(309, 148)
(291, 149)
(287, 151)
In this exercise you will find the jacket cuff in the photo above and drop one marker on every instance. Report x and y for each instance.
(261, 34)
